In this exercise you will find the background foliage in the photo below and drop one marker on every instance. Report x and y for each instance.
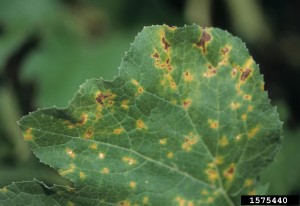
(49, 47)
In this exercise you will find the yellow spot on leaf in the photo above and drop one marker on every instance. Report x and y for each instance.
(101, 155)
(88, 134)
(93, 146)
(252, 192)
(28, 135)
(244, 117)
(204, 192)
(186, 103)
(235, 105)
(4, 189)
(145, 200)
(70, 203)
(83, 119)
(134, 82)
(248, 182)
(132, 185)
(163, 141)
(170, 155)
(212, 71)
(124, 203)
(181, 201)
(247, 97)
(189, 141)
(248, 63)
(129, 160)
(253, 131)
(118, 130)
(105, 170)
(140, 124)
(250, 108)
(238, 137)
(223, 141)
(219, 159)
(140, 90)
(68, 170)
(262, 86)
(173, 85)
(70, 152)
(82, 175)
(212, 175)
(213, 124)
(229, 172)
(187, 76)
(210, 200)
(124, 104)
(173, 101)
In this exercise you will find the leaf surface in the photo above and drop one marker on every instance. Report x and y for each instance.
(186, 122)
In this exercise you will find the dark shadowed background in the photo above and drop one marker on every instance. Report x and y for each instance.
(49, 47)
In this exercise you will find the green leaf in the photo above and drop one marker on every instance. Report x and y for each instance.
(186, 122)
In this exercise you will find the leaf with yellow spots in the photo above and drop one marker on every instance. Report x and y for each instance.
(187, 117)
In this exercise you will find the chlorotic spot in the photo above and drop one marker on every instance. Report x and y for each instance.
(132, 185)
(244, 117)
(213, 124)
(163, 141)
(118, 130)
(248, 182)
(83, 119)
(262, 86)
(247, 97)
(68, 170)
(4, 189)
(223, 141)
(238, 137)
(70, 153)
(253, 131)
(212, 175)
(225, 50)
(135, 83)
(105, 170)
(129, 160)
(81, 175)
(93, 146)
(70, 203)
(204, 192)
(212, 71)
(140, 124)
(187, 76)
(252, 192)
(219, 159)
(124, 203)
(173, 85)
(101, 155)
(28, 135)
(250, 108)
(233, 72)
(170, 155)
(210, 200)
(229, 172)
(124, 104)
(235, 105)
(186, 103)
(189, 141)
(145, 200)
(88, 134)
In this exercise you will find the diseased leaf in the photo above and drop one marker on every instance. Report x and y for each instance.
(186, 122)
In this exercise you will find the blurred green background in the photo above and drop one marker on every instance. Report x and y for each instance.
(49, 47)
